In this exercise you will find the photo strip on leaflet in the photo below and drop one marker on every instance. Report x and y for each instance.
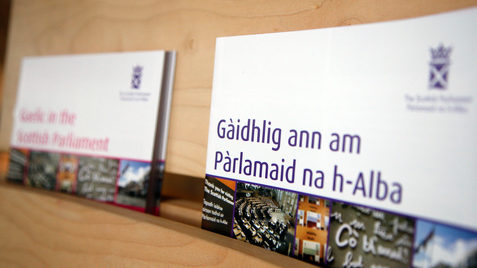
(18, 163)
(66, 178)
(236, 232)
(445, 245)
(326, 222)
(132, 183)
(43, 169)
(265, 217)
(97, 178)
(71, 173)
(312, 229)
(369, 237)
(218, 205)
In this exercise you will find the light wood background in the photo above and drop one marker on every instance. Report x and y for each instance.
(46, 27)
(43, 229)
(39, 228)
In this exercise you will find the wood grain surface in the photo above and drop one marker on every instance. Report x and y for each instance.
(39, 228)
(45, 229)
(48, 27)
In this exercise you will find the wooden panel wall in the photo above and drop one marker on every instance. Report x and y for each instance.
(4, 17)
(47, 27)
(40, 228)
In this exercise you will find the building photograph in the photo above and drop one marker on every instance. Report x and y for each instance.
(133, 183)
(438, 245)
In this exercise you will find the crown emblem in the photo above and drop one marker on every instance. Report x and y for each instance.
(441, 54)
(137, 69)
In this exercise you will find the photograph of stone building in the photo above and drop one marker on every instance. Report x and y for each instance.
(133, 183)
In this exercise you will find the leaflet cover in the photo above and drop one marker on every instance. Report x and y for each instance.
(350, 146)
(92, 125)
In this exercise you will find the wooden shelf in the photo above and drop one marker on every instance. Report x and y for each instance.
(40, 228)
(45, 228)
